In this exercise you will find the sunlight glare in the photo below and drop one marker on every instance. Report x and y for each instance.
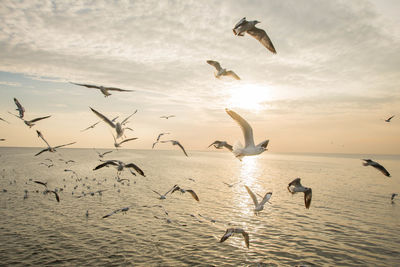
(249, 96)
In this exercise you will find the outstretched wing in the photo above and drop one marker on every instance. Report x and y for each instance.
(244, 125)
(179, 144)
(132, 165)
(104, 118)
(266, 198)
(234, 75)
(194, 195)
(65, 145)
(40, 118)
(240, 23)
(263, 38)
(44, 150)
(253, 197)
(307, 198)
(263, 144)
(91, 126)
(105, 164)
(20, 108)
(215, 64)
(87, 85)
(228, 146)
(118, 89)
(246, 238)
(41, 136)
(227, 234)
(295, 182)
(127, 140)
(127, 118)
(379, 167)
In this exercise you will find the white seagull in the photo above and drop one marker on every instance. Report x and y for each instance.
(229, 232)
(120, 166)
(103, 89)
(258, 206)
(49, 148)
(221, 144)
(167, 117)
(295, 187)
(166, 193)
(220, 71)
(250, 27)
(176, 143)
(192, 193)
(377, 166)
(117, 126)
(249, 149)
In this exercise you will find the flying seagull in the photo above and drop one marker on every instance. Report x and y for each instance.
(159, 136)
(101, 155)
(42, 183)
(123, 210)
(166, 193)
(231, 185)
(220, 71)
(116, 144)
(221, 144)
(1, 119)
(90, 127)
(31, 123)
(120, 166)
(295, 186)
(249, 149)
(68, 170)
(194, 195)
(20, 108)
(258, 206)
(49, 148)
(54, 192)
(167, 117)
(176, 143)
(393, 196)
(377, 166)
(117, 126)
(103, 89)
(250, 27)
(388, 120)
(230, 231)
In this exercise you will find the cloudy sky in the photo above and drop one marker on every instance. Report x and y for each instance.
(334, 79)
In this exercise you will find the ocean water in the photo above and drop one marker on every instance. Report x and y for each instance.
(351, 221)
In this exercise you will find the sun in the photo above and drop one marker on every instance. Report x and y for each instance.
(249, 96)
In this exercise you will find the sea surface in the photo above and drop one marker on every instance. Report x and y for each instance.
(351, 221)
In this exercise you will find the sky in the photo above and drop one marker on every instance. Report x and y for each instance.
(333, 81)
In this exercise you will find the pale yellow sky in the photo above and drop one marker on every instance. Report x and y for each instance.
(332, 82)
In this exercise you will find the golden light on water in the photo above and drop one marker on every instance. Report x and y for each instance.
(249, 96)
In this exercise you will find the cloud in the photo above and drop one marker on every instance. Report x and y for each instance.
(9, 83)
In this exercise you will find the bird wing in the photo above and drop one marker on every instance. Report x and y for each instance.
(158, 137)
(307, 198)
(107, 152)
(118, 89)
(234, 75)
(244, 125)
(20, 108)
(108, 215)
(104, 118)
(295, 182)
(227, 234)
(263, 144)
(127, 140)
(179, 144)
(240, 23)
(215, 64)
(105, 164)
(41, 136)
(157, 192)
(91, 126)
(253, 197)
(194, 195)
(65, 145)
(44, 150)
(390, 118)
(228, 146)
(39, 182)
(87, 85)
(132, 165)
(246, 238)
(127, 118)
(154, 145)
(262, 36)
(214, 143)
(172, 188)
(40, 118)
(379, 167)
(57, 196)
(266, 198)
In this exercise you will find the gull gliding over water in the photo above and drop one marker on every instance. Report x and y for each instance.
(229, 232)
(220, 71)
(49, 148)
(258, 206)
(221, 144)
(194, 195)
(249, 149)
(120, 166)
(295, 187)
(103, 89)
(377, 166)
(250, 27)
(117, 126)
(176, 143)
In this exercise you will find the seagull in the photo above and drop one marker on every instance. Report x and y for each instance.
(31, 123)
(68, 170)
(159, 136)
(231, 185)
(250, 149)
(47, 165)
(230, 231)
(393, 196)
(220, 71)
(194, 195)
(120, 166)
(116, 144)
(295, 186)
(221, 144)
(123, 210)
(49, 148)
(54, 192)
(165, 195)
(167, 117)
(91, 126)
(258, 206)
(376, 165)
(388, 120)
(101, 155)
(250, 27)
(156, 142)
(117, 126)
(20, 108)
(176, 143)
(42, 183)
(103, 89)
(1, 119)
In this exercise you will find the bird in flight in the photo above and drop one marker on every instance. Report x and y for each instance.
(120, 166)
(249, 149)
(105, 90)
(230, 231)
(20, 108)
(176, 143)
(220, 71)
(117, 126)
(295, 187)
(377, 166)
(167, 117)
(101, 155)
(194, 195)
(123, 210)
(244, 26)
(49, 148)
(258, 206)
(118, 144)
(21, 113)
(388, 119)
(166, 193)
(221, 144)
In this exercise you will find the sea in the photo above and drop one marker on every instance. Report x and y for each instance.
(351, 222)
